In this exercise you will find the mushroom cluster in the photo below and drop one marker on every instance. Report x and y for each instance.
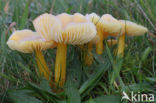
(106, 26)
(61, 30)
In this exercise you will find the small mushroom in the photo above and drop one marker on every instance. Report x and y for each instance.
(64, 29)
(130, 29)
(106, 26)
(27, 41)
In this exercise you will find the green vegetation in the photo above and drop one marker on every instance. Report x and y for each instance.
(104, 81)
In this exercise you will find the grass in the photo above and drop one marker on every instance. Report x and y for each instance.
(135, 72)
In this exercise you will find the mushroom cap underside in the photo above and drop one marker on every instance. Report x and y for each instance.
(27, 41)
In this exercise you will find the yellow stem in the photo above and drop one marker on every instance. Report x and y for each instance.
(60, 64)
(111, 42)
(43, 68)
(121, 45)
(99, 45)
(90, 46)
(89, 56)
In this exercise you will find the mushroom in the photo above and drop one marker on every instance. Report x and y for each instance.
(27, 41)
(106, 26)
(130, 29)
(64, 29)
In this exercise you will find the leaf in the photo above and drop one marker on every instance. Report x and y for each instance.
(11, 78)
(3, 43)
(22, 97)
(44, 94)
(16, 12)
(90, 101)
(116, 67)
(151, 79)
(106, 99)
(44, 84)
(146, 53)
(74, 71)
(136, 87)
(72, 93)
(34, 91)
(40, 90)
(25, 15)
(24, 67)
(93, 80)
(73, 81)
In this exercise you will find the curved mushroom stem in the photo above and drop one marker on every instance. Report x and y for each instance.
(99, 45)
(43, 68)
(89, 56)
(121, 45)
(60, 64)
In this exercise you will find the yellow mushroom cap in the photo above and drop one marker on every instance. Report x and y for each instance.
(65, 28)
(48, 26)
(109, 24)
(133, 29)
(78, 30)
(27, 41)
(93, 17)
(65, 18)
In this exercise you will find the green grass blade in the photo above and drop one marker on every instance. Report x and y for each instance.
(24, 18)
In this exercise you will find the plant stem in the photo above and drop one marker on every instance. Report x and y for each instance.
(43, 68)
(60, 64)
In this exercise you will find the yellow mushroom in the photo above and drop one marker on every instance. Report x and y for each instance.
(106, 25)
(27, 41)
(130, 29)
(88, 53)
(64, 29)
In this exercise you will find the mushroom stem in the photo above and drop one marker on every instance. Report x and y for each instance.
(89, 55)
(43, 68)
(60, 64)
(99, 45)
(111, 42)
(121, 45)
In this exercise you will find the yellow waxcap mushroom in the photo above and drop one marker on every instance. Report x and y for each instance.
(64, 29)
(133, 29)
(77, 30)
(109, 24)
(27, 41)
(106, 25)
